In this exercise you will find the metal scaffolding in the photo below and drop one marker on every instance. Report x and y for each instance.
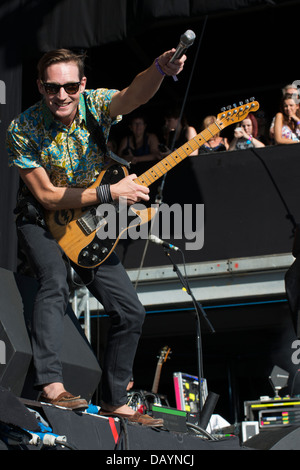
(253, 277)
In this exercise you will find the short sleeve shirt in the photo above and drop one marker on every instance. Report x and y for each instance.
(68, 154)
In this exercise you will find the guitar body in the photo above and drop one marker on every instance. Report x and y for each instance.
(83, 233)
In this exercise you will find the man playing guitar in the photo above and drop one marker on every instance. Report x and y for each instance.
(58, 161)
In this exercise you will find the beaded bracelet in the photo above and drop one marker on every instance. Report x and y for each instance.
(159, 67)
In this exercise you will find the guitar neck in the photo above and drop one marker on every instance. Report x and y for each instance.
(170, 161)
(156, 378)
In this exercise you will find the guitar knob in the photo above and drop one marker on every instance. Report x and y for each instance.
(95, 258)
(104, 250)
(85, 253)
(95, 246)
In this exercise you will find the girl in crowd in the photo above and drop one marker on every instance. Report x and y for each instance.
(184, 132)
(216, 143)
(245, 135)
(287, 121)
(140, 147)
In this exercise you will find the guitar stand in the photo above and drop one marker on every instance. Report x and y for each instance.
(198, 311)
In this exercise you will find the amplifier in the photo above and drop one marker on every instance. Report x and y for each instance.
(273, 413)
(279, 417)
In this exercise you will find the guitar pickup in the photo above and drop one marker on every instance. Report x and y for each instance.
(90, 222)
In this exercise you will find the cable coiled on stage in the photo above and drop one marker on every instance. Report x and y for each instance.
(197, 430)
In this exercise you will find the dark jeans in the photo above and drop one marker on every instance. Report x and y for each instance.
(111, 286)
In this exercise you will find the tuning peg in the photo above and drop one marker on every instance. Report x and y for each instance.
(229, 107)
(241, 103)
(246, 101)
(223, 109)
(252, 99)
(234, 105)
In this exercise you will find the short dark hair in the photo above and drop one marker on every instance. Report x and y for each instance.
(59, 56)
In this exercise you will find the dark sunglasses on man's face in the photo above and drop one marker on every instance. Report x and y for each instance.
(54, 88)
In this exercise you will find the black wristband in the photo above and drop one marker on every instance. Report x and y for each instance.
(103, 193)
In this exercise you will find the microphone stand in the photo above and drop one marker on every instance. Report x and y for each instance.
(198, 311)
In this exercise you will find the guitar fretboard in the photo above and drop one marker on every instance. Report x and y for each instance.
(170, 161)
(228, 117)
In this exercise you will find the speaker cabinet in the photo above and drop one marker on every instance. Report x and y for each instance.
(15, 344)
(81, 369)
(285, 438)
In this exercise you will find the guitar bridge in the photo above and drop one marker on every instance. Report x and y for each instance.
(90, 221)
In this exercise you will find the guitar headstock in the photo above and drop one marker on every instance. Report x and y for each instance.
(164, 354)
(233, 114)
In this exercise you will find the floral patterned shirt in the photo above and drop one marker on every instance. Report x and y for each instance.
(287, 133)
(68, 154)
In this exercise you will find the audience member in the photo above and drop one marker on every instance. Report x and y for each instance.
(287, 121)
(178, 128)
(140, 146)
(245, 135)
(216, 143)
(175, 133)
(288, 89)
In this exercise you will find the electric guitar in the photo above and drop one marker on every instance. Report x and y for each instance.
(163, 356)
(86, 234)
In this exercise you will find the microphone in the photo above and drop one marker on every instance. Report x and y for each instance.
(157, 240)
(186, 40)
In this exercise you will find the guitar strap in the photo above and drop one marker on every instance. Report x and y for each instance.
(97, 135)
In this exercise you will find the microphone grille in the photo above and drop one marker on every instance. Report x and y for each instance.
(188, 37)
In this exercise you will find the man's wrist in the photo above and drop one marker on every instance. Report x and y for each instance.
(104, 194)
(158, 67)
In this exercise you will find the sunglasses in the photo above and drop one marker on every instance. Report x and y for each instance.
(54, 88)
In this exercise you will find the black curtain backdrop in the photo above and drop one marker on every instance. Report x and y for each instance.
(238, 56)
